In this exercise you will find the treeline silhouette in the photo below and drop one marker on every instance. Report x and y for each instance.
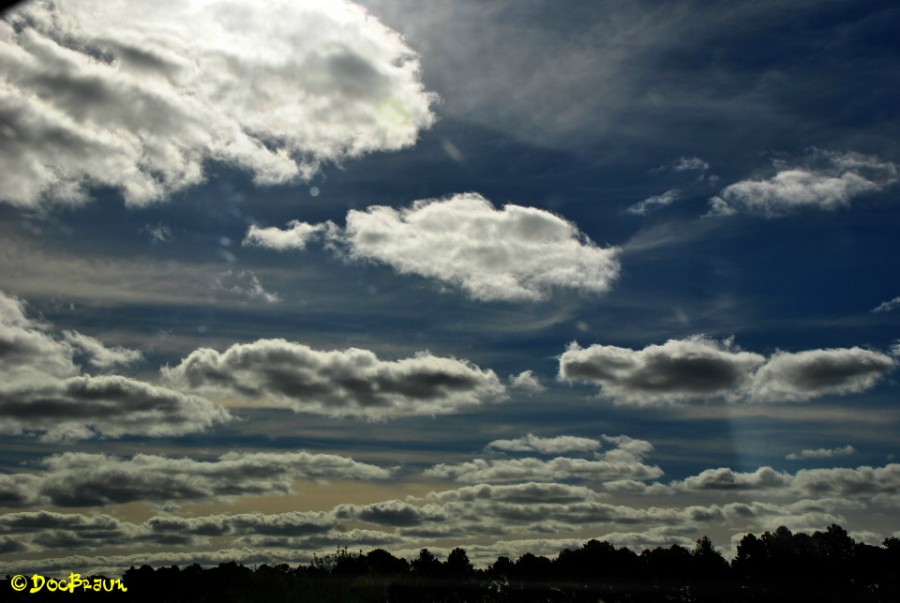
(776, 566)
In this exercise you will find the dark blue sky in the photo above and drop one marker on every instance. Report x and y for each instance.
(702, 195)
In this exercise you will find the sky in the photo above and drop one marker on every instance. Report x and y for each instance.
(507, 275)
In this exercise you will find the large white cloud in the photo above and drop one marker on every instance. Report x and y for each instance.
(42, 390)
(698, 368)
(516, 254)
(351, 382)
(138, 95)
(829, 180)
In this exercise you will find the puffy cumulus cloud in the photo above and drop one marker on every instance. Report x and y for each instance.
(887, 306)
(821, 453)
(693, 368)
(525, 493)
(796, 377)
(830, 180)
(698, 368)
(655, 202)
(87, 479)
(98, 354)
(514, 254)
(351, 382)
(296, 236)
(527, 381)
(41, 389)
(625, 462)
(554, 445)
(139, 97)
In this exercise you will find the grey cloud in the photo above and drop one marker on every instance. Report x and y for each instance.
(86, 479)
(728, 479)
(829, 181)
(797, 377)
(552, 445)
(350, 382)
(559, 468)
(690, 164)
(244, 284)
(693, 368)
(140, 99)
(698, 368)
(41, 390)
(112, 406)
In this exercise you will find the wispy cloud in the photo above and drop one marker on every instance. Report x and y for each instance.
(655, 202)
(887, 306)
(821, 453)
(826, 180)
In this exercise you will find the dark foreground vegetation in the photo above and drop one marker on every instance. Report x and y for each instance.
(779, 566)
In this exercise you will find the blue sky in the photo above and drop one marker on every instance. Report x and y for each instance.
(501, 275)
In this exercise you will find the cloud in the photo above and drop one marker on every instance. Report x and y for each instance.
(698, 368)
(727, 479)
(41, 389)
(98, 354)
(797, 377)
(655, 202)
(94, 94)
(887, 306)
(87, 479)
(693, 368)
(623, 462)
(244, 284)
(528, 381)
(690, 164)
(829, 181)
(553, 445)
(514, 254)
(295, 237)
(821, 453)
(351, 382)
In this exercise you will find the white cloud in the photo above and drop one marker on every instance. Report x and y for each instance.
(888, 305)
(698, 368)
(829, 181)
(140, 97)
(655, 202)
(528, 381)
(98, 354)
(245, 284)
(295, 237)
(821, 453)
(351, 382)
(690, 164)
(553, 445)
(797, 377)
(693, 368)
(514, 254)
